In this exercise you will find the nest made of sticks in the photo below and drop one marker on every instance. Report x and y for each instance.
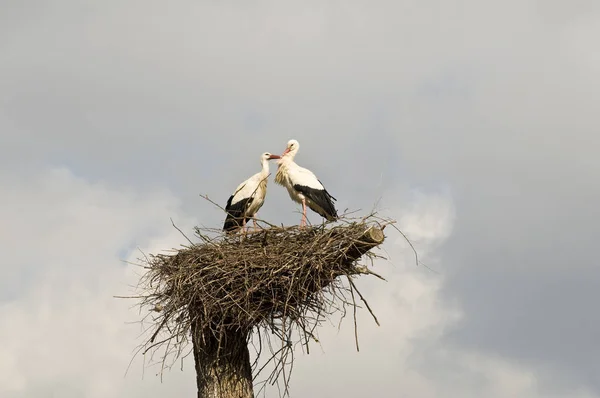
(278, 279)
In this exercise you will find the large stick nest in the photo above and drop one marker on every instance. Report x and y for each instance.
(280, 280)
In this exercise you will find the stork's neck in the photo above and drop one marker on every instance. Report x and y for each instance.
(282, 169)
(286, 159)
(265, 167)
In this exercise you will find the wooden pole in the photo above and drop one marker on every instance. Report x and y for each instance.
(223, 367)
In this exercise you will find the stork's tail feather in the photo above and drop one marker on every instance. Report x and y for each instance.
(332, 212)
(235, 214)
(232, 225)
(320, 201)
(326, 203)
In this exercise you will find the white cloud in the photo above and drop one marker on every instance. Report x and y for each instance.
(64, 334)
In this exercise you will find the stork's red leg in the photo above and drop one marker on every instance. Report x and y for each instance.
(254, 222)
(303, 222)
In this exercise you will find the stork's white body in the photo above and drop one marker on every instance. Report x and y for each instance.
(290, 174)
(254, 188)
(248, 197)
(303, 186)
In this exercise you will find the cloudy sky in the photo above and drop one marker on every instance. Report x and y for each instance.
(475, 123)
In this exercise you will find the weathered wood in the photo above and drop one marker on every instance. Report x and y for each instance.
(371, 238)
(223, 367)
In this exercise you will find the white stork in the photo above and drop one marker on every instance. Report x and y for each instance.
(248, 197)
(303, 186)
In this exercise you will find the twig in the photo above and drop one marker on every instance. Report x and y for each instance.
(364, 301)
(354, 314)
(180, 231)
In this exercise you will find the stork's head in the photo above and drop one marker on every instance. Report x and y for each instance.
(292, 148)
(265, 157)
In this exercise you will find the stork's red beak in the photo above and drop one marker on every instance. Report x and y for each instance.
(286, 151)
(274, 157)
